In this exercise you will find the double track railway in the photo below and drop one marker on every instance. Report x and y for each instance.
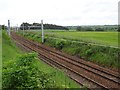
(83, 72)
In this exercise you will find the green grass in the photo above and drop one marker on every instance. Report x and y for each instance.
(9, 50)
(60, 78)
(101, 38)
(105, 38)
(11, 53)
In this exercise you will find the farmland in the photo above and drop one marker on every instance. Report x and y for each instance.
(101, 38)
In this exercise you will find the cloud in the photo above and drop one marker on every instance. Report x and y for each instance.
(62, 12)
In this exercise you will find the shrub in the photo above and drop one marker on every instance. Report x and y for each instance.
(59, 44)
(25, 74)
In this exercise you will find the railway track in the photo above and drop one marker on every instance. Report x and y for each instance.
(96, 76)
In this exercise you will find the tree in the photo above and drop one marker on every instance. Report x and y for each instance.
(46, 26)
(85, 28)
(99, 29)
(3, 27)
(88, 29)
(36, 24)
(79, 28)
(25, 26)
(118, 28)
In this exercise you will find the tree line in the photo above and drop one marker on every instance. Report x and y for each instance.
(27, 26)
(57, 27)
(98, 28)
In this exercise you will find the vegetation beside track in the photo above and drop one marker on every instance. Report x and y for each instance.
(27, 71)
(103, 55)
(9, 50)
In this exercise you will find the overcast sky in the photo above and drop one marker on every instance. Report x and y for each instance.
(60, 12)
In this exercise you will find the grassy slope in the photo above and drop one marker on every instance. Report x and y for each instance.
(103, 38)
(10, 52)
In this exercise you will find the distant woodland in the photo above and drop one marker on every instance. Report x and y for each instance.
(38, 26)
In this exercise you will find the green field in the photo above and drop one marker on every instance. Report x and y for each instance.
(101, 38)
(105, 38)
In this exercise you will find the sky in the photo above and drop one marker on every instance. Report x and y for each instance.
(59, 12)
